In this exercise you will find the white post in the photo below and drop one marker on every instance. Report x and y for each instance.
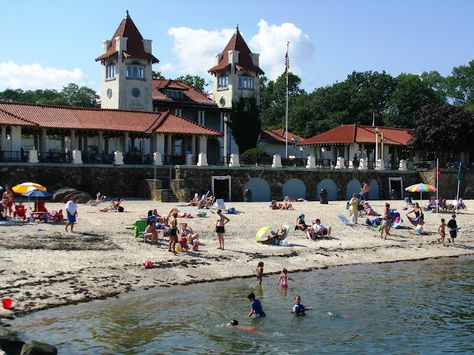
(376, 145)
(234, 160)
(276, 161)
(76, 156)
(118, 158)
(33, 156)
(311, 162)
(225, 140)
(157, 159)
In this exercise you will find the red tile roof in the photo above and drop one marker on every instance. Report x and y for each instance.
(355, 133)
(8, 119)
(191, 95)
(279, 135)
(178, 125)
(135, 47)
(58, 117)
(237, 43)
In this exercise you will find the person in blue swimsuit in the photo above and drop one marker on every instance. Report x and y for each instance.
(255, 307)
(298, 309)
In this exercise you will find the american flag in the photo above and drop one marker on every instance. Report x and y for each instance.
(287, 62)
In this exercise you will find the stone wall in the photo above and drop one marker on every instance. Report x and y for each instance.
(136, 181)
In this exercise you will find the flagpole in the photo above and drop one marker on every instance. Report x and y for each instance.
(437, 185)
(286, 111)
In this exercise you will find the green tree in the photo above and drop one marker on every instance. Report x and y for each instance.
(410, 95)
(79, 96)
(245, 123)
(156, 75)
(460, 86)
(443, 128)
(437, 83)
(195, 81)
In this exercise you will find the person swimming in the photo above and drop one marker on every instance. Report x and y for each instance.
(234, 323)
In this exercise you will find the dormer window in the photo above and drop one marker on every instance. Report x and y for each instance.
(222, 82)
(174, 94)
(245, 82)
(110, 71)
(135, 71)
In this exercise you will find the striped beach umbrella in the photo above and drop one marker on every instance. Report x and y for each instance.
(421, 188)
(27, 186)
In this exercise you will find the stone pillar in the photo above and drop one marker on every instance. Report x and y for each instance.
(311, 162)
(193, 145)
(202, 160)
(203, 144)
(100, 142)
(3, 138)
(15, 137)
(276, 161)
(157, 159)
(170, 145)
(118, 158)
(126, 143)
(363, 164)
(33, 156)
(76, 156)
(380, 164)
(340, 163)
(403, 165)
(189, 159)
(234, 161)
(73, 140)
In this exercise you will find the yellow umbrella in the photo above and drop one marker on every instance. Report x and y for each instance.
(27, 186)
(261, 232)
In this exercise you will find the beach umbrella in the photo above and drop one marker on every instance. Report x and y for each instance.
(421, 188)
(261, 232)
(27, 186)
(36, 193)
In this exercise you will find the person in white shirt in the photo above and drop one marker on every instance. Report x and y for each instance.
(71, 211)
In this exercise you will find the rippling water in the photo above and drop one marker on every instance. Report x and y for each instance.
(402, 308)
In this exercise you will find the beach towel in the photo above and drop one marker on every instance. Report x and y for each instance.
(345, 220)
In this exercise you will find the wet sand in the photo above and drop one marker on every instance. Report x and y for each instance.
(42, 266)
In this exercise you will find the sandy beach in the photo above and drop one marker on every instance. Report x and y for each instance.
(42, 266)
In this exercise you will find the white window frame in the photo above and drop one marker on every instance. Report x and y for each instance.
(246, 82)
(110, 71)
(222, 81)
(135, 71)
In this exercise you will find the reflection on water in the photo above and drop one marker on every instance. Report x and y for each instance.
(414, 307)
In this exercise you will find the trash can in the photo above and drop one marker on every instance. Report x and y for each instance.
(323, 197)
(248, 195)
(394, 194)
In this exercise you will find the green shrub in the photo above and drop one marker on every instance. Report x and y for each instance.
(253, 154)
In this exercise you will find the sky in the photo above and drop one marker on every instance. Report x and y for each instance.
(47, 44)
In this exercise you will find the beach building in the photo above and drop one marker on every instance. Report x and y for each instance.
(274, 142)
(362, 147)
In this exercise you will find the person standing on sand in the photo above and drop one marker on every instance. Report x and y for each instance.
(442, 231)
(173, 232)
(71, 212)
(354, 208)
(453, 229)
(220, 230)
(8, 199)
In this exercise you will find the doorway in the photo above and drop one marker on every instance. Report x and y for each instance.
(221, 187)
(395, 185)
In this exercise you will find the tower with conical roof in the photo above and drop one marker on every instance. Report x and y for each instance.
(127, 69)
(236, 73)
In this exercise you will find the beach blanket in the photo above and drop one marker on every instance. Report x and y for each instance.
(345, 220)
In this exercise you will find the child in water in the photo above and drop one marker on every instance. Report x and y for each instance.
(298, 308)
(259, 273)
(256, 309)
(283, 279)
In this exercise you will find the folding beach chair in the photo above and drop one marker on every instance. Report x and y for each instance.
(220, 204)
(285, 240)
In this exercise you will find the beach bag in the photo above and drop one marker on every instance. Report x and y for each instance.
(368, 222)
(120, 209)
(231, 211)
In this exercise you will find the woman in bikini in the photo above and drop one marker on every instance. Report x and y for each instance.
(220, 230)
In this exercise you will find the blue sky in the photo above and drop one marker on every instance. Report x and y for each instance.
(47, 44)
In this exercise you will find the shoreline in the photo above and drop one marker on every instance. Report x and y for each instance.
(48, 268)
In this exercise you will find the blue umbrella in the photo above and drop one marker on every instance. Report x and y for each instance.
(37, 193)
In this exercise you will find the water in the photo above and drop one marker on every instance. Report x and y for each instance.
(402, 308)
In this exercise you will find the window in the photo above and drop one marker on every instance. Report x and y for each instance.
(174, 94)
(246, 82)
(110, 70)
(135, 71)
(222, 82)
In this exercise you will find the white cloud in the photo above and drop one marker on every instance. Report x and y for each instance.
(270, 42)
(35, 76)
(196, 49)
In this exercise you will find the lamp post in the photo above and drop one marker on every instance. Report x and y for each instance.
(376, 145)
(225, 139)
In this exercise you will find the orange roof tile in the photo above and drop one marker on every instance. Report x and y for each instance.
(58, 117)
(355, 133)
(237, 43)
(135, 47)
(179, 125)
(191, 95)
(279, 135)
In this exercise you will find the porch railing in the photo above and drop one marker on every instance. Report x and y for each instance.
(96, 158)
(54, 157)
(137, 158)
(13, 156)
